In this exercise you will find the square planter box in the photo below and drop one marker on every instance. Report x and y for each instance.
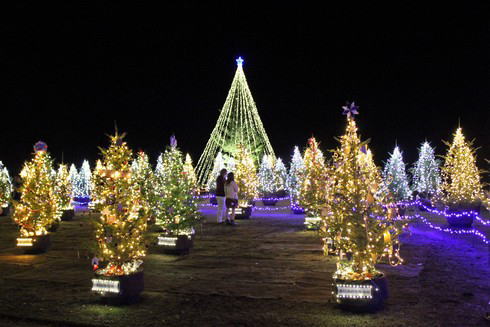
(242, 212)
(68, 215)
(213, 200)
(34, 244)
(312, 223)
(361, 295)
(269, 202)
(463, 221)
(175, 244)
(53, 227)
(119, 289)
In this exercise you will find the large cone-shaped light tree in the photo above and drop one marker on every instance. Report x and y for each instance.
(461, 177)
(355, 217)
(238, 123)
(120, 228)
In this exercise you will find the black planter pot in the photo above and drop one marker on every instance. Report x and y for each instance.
(34, 244)
(68, 215)
(425, 203)
(82, 200)
(465, 207)
(297, 210)
(53, 227)
(213, 200)
(175, 244)
(402, 210)
(243, 212)
(361, 295)
(5, 211)
(269, 202)
(119, 289)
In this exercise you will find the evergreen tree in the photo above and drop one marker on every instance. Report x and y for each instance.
(313, 179)
(38, 207)
(245, 176)
(353, 209)
(395, 177)
(426, 174)
(266, 176)
(219, 164)
(142, 175)
(120, 229)
(63, 187)
(296, 169)
(177, 212)
(73, 177)
(191, 174)
(280, 176)
(5, 186)
(83, 186)
(460, 175)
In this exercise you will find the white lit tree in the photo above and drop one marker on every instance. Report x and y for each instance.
(296, 169)
(5, 186)
(266, 176)
(73, 177)
(426, 180)
(280, 176)
(83, 184)
(395, 177)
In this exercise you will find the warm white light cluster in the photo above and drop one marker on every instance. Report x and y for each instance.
(347, 291)
(167, 240)
(105, 285)
(238, 123)
(312, 222)
(24, 241)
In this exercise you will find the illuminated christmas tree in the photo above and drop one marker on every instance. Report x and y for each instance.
(83, 183)
(120, 228)
(5, 187)
(296, 170)
(64, 187)
(355, 217)
(395, 177)
(313, 180)
(460, 176)
(245, 176)
(266, 176)
(39, 205)
(219, 164)
(238, 123)
(426, 175)
(191, 174)
(72, 177)
(280, 176)
(177, 212)
(142, 175)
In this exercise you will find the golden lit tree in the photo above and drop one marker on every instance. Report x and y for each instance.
(460, 176)
(39, 205)
(362, 228)
(191, 173)
(144, 178)
(245, 176)
(313, 179)
(119, 230)
(64, 187)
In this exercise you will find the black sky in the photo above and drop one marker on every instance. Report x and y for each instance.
(71, 71)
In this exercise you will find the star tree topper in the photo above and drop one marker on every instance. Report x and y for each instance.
(350, 109)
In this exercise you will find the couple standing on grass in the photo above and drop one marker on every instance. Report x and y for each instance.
(227, 197)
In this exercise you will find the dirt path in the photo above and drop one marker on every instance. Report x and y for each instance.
(267, 271)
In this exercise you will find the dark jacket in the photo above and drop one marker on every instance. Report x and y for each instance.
(220, 186)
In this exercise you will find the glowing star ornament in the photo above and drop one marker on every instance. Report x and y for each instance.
(238, 123)
(350, 109)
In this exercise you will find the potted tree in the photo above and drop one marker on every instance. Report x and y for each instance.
(64, 190)
(145, 179)
(294, 180)
(120, 228)
(313, 185)
(426, 182)
(247, 181)
(38, 207)
(461, 186)
(396, 180)
(177, 212)
(5, 191)
(359, 223)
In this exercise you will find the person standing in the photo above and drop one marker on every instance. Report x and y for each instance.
(220, 196)
(231, 194)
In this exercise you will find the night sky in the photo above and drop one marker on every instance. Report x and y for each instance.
(71, 71)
